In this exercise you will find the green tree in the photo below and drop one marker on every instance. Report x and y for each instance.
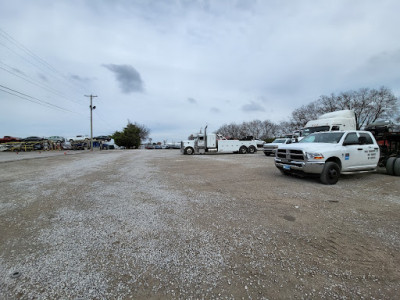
(131, 136)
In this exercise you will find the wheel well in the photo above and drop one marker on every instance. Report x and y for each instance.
(335, 160)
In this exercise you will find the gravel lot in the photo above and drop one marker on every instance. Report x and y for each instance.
(155, 224)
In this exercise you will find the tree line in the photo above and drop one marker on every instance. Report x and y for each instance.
(367, 104)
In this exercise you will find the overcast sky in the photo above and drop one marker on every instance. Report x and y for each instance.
(175, 66)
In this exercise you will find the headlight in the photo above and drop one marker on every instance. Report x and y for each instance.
(314, 156)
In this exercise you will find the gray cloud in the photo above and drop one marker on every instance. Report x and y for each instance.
(128, 78)
(192, 100)
(215, 110)
(80, 79)
(42, 77)
(252, 106)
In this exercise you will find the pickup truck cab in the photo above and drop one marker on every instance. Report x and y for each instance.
(329, 154)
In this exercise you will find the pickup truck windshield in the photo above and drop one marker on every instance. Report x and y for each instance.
(323, 137)
(279, 141)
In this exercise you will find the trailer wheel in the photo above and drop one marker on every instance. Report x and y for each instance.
(189, 151)
(390, 165)
(252, 149)
(330, 174)
(396, 167)
(243, 150)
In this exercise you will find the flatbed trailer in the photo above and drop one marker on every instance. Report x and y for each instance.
(389, 144)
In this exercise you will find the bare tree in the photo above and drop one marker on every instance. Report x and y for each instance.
(368, 105)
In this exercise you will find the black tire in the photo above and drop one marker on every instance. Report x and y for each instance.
(396, 167)
(243, 150)
(330, 174)
(267, 154)
(284, 172)
(189, 151)
(390, 165)
(252, 149)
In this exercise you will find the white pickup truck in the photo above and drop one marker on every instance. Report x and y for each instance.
(270, 148)
(328, 154)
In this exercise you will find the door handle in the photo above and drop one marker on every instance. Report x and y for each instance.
(359, 148)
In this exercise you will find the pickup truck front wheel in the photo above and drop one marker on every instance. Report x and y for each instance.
(330, 174)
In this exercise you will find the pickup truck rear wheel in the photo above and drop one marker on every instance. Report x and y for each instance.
(390, 165)
(330, 174)
(243, 150)
(396, 167)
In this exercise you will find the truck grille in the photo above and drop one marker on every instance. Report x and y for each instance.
(290, 154)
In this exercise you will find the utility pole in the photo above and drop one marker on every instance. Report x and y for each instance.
(91, 119)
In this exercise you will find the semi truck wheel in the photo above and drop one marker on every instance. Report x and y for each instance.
(390, 165)
(252, 149)
(243, 150)
(330, 174)
(189, 151)
(396, 167)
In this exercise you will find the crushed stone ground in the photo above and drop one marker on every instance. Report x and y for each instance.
(155, 224)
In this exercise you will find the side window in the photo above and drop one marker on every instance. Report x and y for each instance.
(335, 128)
(366, 138)
(351, 139)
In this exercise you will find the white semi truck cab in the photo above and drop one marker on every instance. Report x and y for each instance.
(329, 154)
(216, 143)
(340, 120)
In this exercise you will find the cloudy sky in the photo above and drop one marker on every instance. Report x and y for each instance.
(177, 65)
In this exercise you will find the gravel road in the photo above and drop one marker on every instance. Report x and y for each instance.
(155, 224)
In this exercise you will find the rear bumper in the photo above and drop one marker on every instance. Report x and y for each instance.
(300, 166)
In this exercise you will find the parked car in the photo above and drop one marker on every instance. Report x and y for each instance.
(56, 139)
(38, 146)
(5, 147)
(102, 138)
(8, 138)
(270, 148)
(33, 139)
(66, 145)
(380, 127)
(78, 138)
(260, 143)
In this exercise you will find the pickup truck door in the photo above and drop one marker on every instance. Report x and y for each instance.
(370, 155)
(360, 152)
(352, 153)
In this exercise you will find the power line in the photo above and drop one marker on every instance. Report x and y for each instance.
(25, 77)
(32, 99)
(38, 61)
(36, 83)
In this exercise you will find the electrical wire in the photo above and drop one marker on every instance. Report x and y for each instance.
(36, 83)
(32, 99)
(35, 57)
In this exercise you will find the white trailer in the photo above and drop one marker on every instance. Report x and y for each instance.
(216, 143)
